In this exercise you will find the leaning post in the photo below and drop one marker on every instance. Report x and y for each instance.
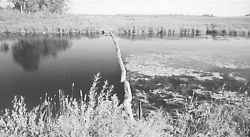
(128, 95)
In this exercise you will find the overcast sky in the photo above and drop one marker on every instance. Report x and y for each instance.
(188, 7)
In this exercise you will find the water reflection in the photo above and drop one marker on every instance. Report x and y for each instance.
(28, 52)
(4, 47)
(53, 63)
(58, 36)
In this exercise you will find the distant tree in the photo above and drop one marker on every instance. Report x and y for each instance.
(19, 4)
(53, 6)
(31, 6)
(248, 14)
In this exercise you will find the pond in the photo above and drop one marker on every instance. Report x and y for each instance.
(33, 66)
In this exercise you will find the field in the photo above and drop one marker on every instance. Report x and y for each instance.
(14, 22)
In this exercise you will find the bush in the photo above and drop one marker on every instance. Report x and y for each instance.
(53, 6)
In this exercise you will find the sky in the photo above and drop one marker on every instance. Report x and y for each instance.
(186, 7)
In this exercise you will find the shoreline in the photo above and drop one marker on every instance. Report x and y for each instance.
(38, 23)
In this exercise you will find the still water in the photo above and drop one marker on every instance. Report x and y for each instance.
(33, 66)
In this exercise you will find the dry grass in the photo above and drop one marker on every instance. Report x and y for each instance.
(12, 21)
(101, 116)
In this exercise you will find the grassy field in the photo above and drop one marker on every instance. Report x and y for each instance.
(14, 22)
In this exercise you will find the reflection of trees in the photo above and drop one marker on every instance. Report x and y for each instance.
(4, 47)
(28, 52)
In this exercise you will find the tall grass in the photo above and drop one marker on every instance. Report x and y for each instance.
(99, 115)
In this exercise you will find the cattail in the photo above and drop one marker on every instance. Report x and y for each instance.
(72, 89)
(46, 101)
(81, 95)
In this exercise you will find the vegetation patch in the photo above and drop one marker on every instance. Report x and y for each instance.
(100, 115)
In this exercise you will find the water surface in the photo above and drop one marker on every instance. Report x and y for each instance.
(31, 66)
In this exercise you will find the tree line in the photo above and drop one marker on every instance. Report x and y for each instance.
(28, 6)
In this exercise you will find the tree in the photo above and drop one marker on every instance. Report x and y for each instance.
(53, 6)
(19, 4)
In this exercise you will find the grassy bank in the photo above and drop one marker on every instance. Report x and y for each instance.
(100, 116)
(14, 22)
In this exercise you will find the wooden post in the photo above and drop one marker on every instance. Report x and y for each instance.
(128, 95)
